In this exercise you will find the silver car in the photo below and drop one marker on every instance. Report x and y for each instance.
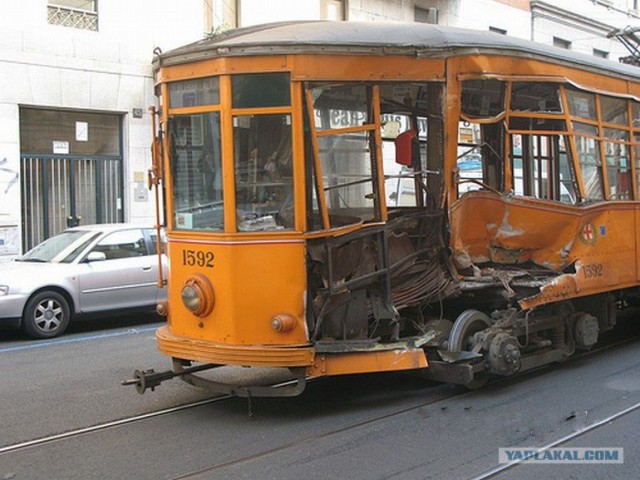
(81, 271)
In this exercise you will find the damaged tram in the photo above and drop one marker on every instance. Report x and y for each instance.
(344, 198)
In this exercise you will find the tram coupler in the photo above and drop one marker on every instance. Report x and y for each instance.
(150, 379)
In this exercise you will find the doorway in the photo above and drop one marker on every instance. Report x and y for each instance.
(71, 171)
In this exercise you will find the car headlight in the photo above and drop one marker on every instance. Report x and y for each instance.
(4, 290)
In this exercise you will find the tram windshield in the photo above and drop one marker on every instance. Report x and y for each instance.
(262, 155)
(196, 156)
(197, 171)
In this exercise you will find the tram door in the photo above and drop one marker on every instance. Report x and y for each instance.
(71, 171)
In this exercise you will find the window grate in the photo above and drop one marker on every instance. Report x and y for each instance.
(72, 17)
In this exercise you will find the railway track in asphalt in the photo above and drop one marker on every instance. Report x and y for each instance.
(204, 473)
(107, 425)
(499, 469)
(438, 397)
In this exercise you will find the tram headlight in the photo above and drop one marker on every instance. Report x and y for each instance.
(197, 295)
(283, 323)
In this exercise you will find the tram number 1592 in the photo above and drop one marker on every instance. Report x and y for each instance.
(593, 270)
(192, 258)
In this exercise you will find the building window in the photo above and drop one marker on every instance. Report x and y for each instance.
(223, 15)
(501, 31)
(600, 53)
(561, 43)
(426, 15)
(333, 10)
(74, 13)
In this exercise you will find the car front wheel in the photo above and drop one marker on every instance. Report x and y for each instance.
(46, 315)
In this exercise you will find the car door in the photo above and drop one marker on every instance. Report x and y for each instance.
(154, 244)
(126, 277)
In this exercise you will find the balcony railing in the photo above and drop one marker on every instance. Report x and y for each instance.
(73, 17)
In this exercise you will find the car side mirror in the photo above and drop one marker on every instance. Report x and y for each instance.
(96, 257)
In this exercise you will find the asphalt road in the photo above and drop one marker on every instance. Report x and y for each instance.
(373, 427)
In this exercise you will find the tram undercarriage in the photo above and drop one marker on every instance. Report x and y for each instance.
(399, 283)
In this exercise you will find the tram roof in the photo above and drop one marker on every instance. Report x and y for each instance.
(378, 38)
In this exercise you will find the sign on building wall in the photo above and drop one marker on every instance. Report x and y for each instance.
(9, 242)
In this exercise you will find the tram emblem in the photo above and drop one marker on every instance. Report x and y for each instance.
(588, 234)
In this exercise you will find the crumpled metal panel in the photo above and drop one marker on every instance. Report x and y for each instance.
(587, 246)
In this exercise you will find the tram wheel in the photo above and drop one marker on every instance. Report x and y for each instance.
(466, 325)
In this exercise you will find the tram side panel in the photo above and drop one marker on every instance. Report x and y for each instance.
(251, 283)
(591, 249)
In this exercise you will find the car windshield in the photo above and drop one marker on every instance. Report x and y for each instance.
(64, 247)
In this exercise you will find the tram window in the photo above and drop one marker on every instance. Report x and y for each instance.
(517, 165)
(480, 156)
(263, 172)
(616, 134)
(637, 152)
(618, 171)
(541, 167)
(579, 127)
(581, 104)
(196, 171)
(341, 106)
(411, 142)
(346, 158)
(469, 157)
(347, 175)
(483, 98)
(540, 124)
(635, 112)
(567, 174)
(260, 90)
(588, 150)
(535, 97)
(194, 93)
(614, 110)
(403, 185)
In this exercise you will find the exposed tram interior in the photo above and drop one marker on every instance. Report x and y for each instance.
(359, 282)
(515, 236)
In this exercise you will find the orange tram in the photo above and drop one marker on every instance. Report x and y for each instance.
(344, 198)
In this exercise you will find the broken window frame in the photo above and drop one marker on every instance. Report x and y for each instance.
(596, 130)
(483, 142)
(545, 153)
(614, 170)
(370, 130)
(418, 183)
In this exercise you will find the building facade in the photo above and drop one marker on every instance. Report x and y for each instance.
(75, 87)
(580, 25)
(76, 83)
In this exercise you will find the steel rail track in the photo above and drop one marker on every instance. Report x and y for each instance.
(370, 421)
(594, 426)
(107, 425)
(298, 442)
(488, 474)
